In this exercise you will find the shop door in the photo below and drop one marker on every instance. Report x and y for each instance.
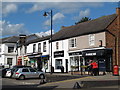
(66, 65)
(102, 65)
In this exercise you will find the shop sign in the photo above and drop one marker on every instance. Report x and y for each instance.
(75, 53)
(59, 54)
(90, 54)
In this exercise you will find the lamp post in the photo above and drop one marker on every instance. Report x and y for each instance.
(46, 14)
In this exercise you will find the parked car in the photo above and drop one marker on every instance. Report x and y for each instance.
(10, 72)
(4, 71)
(27, 72)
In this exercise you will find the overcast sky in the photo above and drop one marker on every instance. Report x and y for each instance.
(27, 17)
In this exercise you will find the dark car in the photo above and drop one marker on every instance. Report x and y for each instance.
(4, 71)
(11, 71)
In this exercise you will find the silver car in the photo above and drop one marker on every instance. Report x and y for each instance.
(25, 72)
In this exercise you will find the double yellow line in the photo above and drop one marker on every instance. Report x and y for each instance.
(90, 77)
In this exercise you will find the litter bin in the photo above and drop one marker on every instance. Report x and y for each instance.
(115, 70)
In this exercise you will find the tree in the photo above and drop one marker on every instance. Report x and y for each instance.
(84, 19)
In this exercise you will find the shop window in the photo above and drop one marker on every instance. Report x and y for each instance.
(58, 63)
(10, 49)
(72, 42)
(39, 47)
(91, 39)
(74, 63)
(9, 61)
(44, 46)
(34, 48)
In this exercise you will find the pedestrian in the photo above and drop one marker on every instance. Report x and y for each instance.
(94, 68)
(89, 67)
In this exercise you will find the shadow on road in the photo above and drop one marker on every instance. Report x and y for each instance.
(33, 87)
(101, 83)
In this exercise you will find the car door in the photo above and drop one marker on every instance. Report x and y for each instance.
(26, 72)
(33, 73)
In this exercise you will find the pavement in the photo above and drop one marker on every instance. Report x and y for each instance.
(86, 82)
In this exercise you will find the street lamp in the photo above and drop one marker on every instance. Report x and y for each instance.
(46, 14)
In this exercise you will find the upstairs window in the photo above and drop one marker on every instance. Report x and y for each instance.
(44, 46)
(39, 47)
(0, 48)
(91, 40)
(10, 49)
(72, 42)
(34, 48)
(57, 45)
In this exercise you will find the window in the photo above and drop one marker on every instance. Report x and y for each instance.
(25, 70)
(32, 70)
(9, 61)
(34, 48)
(57, 45)
(74, 62)
(44, 46)
(10, 49)
(91, 40)
(72, 42)
(58, 63)
(0, 48)
(39, 47)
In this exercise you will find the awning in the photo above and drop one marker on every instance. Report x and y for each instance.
(45, 56)
(34, 56)
(97, 52)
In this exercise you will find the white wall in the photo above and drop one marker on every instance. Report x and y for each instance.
(4, 53)
(63, 45)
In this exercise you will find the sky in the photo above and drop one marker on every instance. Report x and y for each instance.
(27, 17)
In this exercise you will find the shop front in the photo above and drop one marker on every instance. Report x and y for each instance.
(45, 61)
(75, 60)
(102, 56)
(35, 60)
(59, 58)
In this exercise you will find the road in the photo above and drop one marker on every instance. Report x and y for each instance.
(63, 81)
(35, 83)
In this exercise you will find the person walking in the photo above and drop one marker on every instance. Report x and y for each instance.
(94, 68)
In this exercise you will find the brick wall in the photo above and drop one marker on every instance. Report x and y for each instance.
(114, 29)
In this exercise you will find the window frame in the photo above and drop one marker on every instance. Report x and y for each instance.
(39, 47)
(34, 48)
(91, 39)
(10, 49)
(44, 47)
(72, 43)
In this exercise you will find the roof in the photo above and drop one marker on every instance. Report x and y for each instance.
(14, 39)
(92, 26)
(39, 39)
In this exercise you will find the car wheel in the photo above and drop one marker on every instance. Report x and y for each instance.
(42, 76)
(22, 77)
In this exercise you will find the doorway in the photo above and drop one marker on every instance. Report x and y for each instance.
(66, 63)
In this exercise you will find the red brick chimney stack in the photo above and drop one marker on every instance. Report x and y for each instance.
(118, 14)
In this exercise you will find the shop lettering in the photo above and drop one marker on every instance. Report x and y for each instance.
(90, 54)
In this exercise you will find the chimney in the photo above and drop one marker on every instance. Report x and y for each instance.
(118, 16)
(62, 27)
